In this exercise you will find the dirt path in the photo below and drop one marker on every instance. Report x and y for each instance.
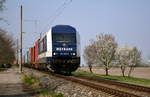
(11, 84)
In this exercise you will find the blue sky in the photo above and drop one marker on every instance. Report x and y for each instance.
(127, 20)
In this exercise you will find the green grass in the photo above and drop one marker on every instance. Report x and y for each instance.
(46, 93)
(29, 80)
(132, 80)
(2, 69)
(52, 93)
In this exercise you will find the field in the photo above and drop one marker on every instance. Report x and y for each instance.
(139, 72)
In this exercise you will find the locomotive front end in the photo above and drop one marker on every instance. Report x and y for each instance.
(65, 49)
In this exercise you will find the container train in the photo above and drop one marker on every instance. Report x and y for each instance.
(57, 50)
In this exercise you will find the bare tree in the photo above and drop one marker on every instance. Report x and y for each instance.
(1, 9)
(105, 46)
(7, 51)
(123, 57)
(89, 55)
(135, 59)
(2, 5)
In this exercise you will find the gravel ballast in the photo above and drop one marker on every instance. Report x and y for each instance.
(67, 88)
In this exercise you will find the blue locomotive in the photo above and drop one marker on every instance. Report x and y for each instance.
(58, 50)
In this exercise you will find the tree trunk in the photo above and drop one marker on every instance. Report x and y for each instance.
(90, 68)
(106, 69)
(131, 69)
(123, 70)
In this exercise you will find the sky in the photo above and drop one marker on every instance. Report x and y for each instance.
(127, 20)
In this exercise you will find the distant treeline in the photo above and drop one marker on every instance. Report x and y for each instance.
(7, 48)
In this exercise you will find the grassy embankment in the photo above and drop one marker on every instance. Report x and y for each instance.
(132, 80)
(33, 82)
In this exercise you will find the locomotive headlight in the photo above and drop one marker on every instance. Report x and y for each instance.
(74, 54)
(54, 53)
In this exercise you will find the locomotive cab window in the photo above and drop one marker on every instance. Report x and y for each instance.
(64, 37)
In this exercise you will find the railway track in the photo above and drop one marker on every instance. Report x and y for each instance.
(95, 84)
(140, 91)
(110, 82)
(111, 87)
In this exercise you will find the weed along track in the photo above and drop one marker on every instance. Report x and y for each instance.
(110, 87)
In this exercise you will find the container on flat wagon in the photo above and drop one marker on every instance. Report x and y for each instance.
(27, 57)
(23, 59)
(32, 55)
(36, 50)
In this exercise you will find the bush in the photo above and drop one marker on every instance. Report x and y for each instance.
(5, 65)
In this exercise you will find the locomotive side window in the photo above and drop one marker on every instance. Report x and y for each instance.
(43, 45)
(64, 37)
(39, 47)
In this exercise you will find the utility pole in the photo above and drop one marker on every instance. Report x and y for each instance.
(20, 66)
(17, 52)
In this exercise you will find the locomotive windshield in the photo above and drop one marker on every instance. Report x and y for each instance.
(64, 37)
